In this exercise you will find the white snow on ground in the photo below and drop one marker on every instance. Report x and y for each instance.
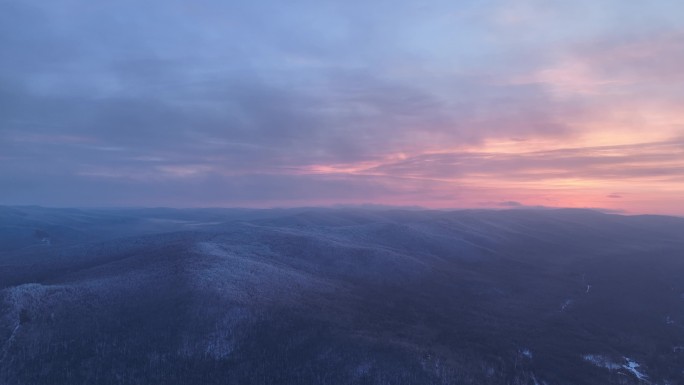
(8, 344)
(605, 362)
(632, 367)
(30, 298)
(565, 304)
(362, 369)
(601, 361)
(214, 249)
(534, 378)
(246, 273)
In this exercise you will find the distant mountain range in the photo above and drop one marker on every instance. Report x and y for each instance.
(339, 296)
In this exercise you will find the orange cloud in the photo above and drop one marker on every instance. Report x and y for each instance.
(645, 174)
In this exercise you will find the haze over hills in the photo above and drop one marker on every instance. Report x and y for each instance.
(339, 296)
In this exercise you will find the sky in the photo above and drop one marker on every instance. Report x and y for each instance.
(269, 103)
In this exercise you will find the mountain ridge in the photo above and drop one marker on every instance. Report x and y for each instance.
(355, 296)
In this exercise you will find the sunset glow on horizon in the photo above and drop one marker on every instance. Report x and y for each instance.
(467, 104)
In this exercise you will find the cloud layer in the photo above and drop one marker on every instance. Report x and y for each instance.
(446, 104)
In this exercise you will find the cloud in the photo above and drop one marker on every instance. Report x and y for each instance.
(510, 204)
(659, 159)
(400, 103)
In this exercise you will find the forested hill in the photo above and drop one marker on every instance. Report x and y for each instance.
(339, 296)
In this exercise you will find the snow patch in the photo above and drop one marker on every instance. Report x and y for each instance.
(362, 369)
(9, 343)
(249, 273)
(566, 304)
(633, 366)
(534, 379)
(629, 365)
(601, 361)
(214, 249)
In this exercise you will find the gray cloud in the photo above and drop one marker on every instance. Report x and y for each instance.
(510, 204)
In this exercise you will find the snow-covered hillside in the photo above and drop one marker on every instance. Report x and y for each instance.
(339, 296)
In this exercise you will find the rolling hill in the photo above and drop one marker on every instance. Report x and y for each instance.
(339, 296)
